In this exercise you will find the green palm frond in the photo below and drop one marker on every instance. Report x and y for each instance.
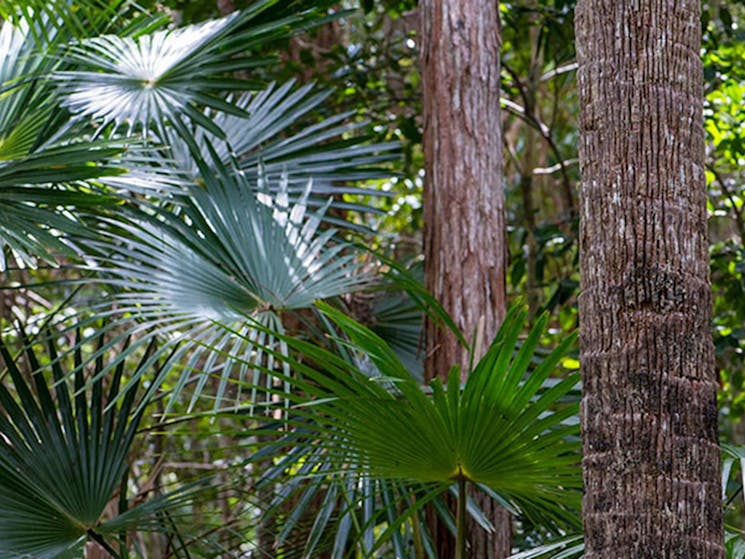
(499, 430)
(32, 157)
(506, 428)
(570, 547)
(269, 140)
(63, 454)
(734, 545)
(733, 482)
(228, 253)
(47, 165)
(137, 80)
(396, 314)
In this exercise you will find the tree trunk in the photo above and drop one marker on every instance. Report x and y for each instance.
(649, 411)
(464, 231)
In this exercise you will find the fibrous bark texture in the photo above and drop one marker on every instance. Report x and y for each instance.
(649, 414)
(464, 231)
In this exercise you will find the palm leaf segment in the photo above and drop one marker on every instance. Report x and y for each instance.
(229, 256)
(63, 455)
(332, 511)
(79, 18)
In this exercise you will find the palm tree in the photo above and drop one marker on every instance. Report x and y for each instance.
(650, 390)
(114, 171)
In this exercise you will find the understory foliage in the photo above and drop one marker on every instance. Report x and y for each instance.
(210, 220)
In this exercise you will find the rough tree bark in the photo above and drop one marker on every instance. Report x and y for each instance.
(464, 231)
(649, 413)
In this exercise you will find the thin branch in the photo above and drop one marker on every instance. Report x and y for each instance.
(554, 168)
(531, 118)
(730, 196)
(551, 74)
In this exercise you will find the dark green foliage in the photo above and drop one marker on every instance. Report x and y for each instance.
(64, 452)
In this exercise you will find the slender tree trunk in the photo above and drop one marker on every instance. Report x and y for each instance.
(529, 158)
(464, 232)
(649, 413)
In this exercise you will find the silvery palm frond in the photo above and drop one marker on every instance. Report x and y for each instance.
(275, 138)
(270, 136)
(162, 79)
(226, 256)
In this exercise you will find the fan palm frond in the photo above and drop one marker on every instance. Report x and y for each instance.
(506, 429)
(317, 511)
(228, 255)
(161, 77)
(47, 164)
(268, 140)
(63, 455)
(498, 430)
(263, 138)
(32, 157)
(136, 80)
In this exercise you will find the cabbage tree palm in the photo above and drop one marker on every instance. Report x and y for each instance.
(650, 413)
(166, 101)
(164, 209)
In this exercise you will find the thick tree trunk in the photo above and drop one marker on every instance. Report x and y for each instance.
(464, 232)
(649, 412)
